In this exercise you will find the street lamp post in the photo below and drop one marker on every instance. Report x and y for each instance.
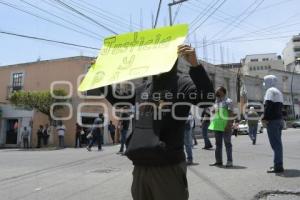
(297, 62)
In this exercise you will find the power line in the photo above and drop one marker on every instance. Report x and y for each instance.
(109, 13)
(216, 9)
(105, 17)
(221, 18)
(61, 18)
(45, 19)
(204, 12)
(47, 40)
(82, 14)
(238, 21)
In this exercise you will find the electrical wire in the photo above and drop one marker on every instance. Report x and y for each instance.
(83, 15)
(47, 40)
(63, 19)
(45, 19)
(214, 11)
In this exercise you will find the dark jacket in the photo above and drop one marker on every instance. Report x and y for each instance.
(172, 87)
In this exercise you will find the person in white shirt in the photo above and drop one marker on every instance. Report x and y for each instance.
(61, 130)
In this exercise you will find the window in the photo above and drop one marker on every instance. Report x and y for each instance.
(250, 68)
(297, 49)
(17, 81)
(254, 60)
(266, 67)
(257, 68)
(269, 66)
(261, 67)
(265, 59)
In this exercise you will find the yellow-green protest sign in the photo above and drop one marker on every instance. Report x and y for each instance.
(135, 55)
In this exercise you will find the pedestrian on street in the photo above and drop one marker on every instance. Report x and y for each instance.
(205, 121)
(188, 139)
(40, 136)
(112, 131)
(235, 127)
(46, 135)
(156, 145)
(253, 119)
(193, 132)
(25, 137)
(97, 136)
(221, 125)
(61, 130)
(124, 129)
(78, 132)
(273, 104)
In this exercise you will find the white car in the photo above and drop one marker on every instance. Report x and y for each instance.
(244, 129)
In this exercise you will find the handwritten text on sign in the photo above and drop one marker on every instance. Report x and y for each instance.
(135, 55)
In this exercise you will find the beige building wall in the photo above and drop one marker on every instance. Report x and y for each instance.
(38, 76)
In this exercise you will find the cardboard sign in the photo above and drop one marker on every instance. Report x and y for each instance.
(135, 55)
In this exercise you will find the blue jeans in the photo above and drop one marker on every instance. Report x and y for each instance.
(274, 129)
(188, 143)
(219, 146)
(252, 132)
(123, 139)
(207, 142)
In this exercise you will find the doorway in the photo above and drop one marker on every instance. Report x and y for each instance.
(12, 128)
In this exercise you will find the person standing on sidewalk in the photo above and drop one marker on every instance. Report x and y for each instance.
(253, 119)
(221, 125)
(205, 121)
(40, 136)
(188, 139)
(124, 129)
(25, 137)
(112, 130)
(46, 135)
(273, 104)
(78, 132)
(61, 130)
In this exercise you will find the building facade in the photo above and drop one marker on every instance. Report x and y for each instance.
(259, 64)
(65, 73)
(291, 52)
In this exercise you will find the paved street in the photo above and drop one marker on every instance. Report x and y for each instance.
(77, 174)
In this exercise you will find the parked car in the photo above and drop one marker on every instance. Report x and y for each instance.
(296, 124)
(243, 128)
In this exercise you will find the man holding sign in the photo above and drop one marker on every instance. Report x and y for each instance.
(162, 104)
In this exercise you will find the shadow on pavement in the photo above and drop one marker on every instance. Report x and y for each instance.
(234, 167)
(289, 173)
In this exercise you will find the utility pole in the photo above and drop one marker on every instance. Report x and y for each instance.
(297, 63)
(170, 9)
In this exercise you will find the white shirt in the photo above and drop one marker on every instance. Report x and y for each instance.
(61, 130)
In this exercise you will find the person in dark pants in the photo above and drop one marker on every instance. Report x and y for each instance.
(124, 129)
(46, 135)
(96, 135)
(205, 121)
(253, 118)
(273, 119)
(78, 135)
(112, 131)
(25, 138)
(156, 145)
(39, 136)
(221, 125)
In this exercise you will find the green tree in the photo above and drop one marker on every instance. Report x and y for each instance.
(40, 101)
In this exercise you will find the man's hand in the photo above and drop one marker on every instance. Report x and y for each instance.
(188, 53)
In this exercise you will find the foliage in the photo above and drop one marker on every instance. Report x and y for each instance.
(38, 100)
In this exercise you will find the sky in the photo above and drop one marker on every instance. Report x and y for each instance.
(229, 29)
